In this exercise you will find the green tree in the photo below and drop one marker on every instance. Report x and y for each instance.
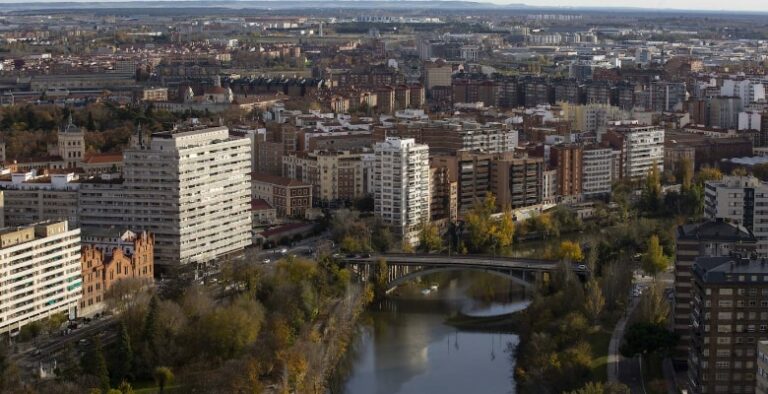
(94, 362)
(150, 326)
(163, 377)
(648, 338)
(380, 278)
(652, 189)
(685, 172)
(595, 302)
(382, 239)
(602, 388)
(124, 355)
(126, 388)
(429, 237)
(653, 307)
(654, 260)
(760, 171)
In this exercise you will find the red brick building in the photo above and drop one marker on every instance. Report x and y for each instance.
(107, 258)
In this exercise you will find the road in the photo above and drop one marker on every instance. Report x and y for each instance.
(51, 345)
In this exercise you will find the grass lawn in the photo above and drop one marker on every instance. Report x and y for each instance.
(599, 341)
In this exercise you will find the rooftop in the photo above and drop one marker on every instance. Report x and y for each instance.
(277, 180)
(731, 269)
(715, 231)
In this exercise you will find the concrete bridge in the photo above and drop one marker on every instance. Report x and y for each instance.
(404, 267)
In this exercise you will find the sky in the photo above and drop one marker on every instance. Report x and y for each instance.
(708, 5)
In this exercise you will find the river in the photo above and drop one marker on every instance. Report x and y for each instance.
(405, 347)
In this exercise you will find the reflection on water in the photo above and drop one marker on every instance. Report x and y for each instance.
(407, 348)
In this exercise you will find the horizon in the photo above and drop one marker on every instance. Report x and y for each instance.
(745, 6)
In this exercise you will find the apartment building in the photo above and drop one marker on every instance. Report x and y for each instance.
(729, 316)
(596, 171)
(742, 200)
(517, 182)
(109, 256)
(710, 238)
(40, 273)
(189, 187)
(402, 186)
(641, 147)
(472, 173)
(334, 175)
(452, 135)
(567, 160)
(288, 196)
(31, 198)
(437, 73)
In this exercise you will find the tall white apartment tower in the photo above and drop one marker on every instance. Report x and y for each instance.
(401, 186)
(189, 187)
(40, 273)
(742, 200)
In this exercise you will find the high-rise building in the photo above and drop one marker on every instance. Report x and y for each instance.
(40, 273)
(189, 187)
(517, 182)
(334, 175)
(402, 186)
(748, 91)
(437, 73)
(596, 171)
(567, 160)
(729, 316)
(742, 200)
(710, 238)
(641, 148)
(31, 198)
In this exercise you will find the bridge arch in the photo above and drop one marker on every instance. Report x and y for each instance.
(507, 274)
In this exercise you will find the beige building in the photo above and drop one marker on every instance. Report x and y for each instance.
(437, 73)
(154, 94)
(40, 273)
(334, 175)
(31, 198)
(189, 187)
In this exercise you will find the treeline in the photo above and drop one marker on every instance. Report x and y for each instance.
(28, 129)
(257, 327)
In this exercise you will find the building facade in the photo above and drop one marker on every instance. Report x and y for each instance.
(741, 200)
(729, 316)
(109, 256)
(641, 148)
(191, 188)
(289, 197)
(596, 171)
(40, 273)
(711, 238)
(402, 186)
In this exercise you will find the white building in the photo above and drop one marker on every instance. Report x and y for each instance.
(40, 273)
(748, 91)
(596, 171)
(191, 188)
(742, 200)
(641, 147)
(401, 186)
(750, 120)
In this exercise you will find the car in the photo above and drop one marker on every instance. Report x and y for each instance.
(266, 261)
(365, 255)
(582, 267)
(283, 250)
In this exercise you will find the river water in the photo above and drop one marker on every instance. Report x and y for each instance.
(406, 348)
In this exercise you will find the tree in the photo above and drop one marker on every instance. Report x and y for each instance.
(648, 338)
(708, 174)
(150, 326)
(126, 388)
(602, 388)
(382, 239)
(760, 171)
(652, 189)
(685, 169)
(380, 278)
(570, 251)
(124, 355)
(739, 171)
(94, 363)
(163, 376)
(653, 307)
(429, 237)
(595, 302)
(654, 260)
(486, 233)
